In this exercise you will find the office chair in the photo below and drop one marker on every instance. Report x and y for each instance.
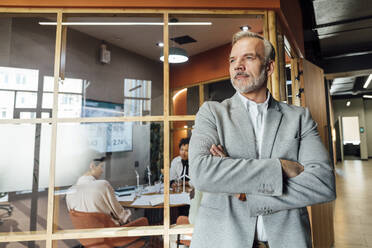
(83, 220)
(8, 209)
(183, 220)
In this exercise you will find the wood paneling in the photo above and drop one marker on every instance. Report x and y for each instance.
(273, 39)
(202, 67)
(252, 4)
(321, 214)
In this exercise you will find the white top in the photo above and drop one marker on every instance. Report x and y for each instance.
(257, 112)
(176, 168)
(96, 196)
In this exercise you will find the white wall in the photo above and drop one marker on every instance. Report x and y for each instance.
(356, 108)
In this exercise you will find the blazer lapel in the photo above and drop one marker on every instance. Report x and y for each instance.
(272, 122)
(240, 116)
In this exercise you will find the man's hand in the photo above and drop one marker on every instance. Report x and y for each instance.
(217, 151)
(291, 168)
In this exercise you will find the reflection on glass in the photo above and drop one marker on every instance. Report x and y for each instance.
(23, 197)
(18, 78)
(126, 79)
(144, 241)
(26, 100)
(218, 91)
(106, 168)
(6, 104)
(24, 244)
(27, 55)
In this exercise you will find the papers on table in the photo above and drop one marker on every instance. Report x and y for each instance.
(126, 198)
(183, 198)
(152, 200)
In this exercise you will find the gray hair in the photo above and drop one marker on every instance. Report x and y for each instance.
(269, 48)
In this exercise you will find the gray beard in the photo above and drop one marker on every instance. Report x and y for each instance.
(257, 83)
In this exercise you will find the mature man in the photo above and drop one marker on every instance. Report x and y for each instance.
(92, 195)
(258, 162)
(180, 164)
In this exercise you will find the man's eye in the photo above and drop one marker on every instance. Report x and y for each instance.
(232, 60)
(250, 57)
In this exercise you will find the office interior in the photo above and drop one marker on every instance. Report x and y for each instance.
(71, 93)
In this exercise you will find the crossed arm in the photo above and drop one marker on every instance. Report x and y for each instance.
(306, 182)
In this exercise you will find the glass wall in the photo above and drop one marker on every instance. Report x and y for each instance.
(110, 131)
(26, 57)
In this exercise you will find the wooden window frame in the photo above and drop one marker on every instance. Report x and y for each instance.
(51, 235)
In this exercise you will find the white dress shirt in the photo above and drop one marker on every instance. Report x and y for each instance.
(257, 113)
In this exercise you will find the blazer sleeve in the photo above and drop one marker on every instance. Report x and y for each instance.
(316, 184)
(228, 175)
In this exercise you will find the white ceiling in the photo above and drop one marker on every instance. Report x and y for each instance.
(142, 39)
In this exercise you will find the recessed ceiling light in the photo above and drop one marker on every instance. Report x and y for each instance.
(367, 96)
(160, 44)
(245, 28)
(348, 103)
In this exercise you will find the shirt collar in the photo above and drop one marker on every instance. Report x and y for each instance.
(251, 104)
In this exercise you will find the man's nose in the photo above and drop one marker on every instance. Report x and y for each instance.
(239, 66)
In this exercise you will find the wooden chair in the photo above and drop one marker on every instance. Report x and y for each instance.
(183, 220)
(83, 220)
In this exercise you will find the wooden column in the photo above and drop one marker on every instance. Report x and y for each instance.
(273, 39)
(281, 65)
(266, 35)
(295, 82)
(201, 94)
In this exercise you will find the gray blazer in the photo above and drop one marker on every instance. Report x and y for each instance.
(289, 133)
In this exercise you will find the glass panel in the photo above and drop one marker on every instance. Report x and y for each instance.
(186, 101)
(27, 115)
(207, 47)
(24, 244)
(179, 169)
(131, 153)
(180, 240)
(146, 241)
(26, 100)
(24, 193)
(126, 78)
(27, 54)
(218, 91)
(6, 104)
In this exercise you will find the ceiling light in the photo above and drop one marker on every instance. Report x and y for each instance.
(348, 103)
(176, 55)
(365, 86)
(160, 44)
(126, 23)
(367, 96)
(245, 28)
(185, 126)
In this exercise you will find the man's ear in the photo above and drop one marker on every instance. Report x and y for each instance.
(270, 67)
(92, 165)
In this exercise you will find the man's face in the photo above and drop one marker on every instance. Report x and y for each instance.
(184, 152)
(247, 65)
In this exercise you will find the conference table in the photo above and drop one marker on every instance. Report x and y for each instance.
(154, 212)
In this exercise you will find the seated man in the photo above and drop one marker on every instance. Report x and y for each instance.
(92, 195)
(180, 164)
